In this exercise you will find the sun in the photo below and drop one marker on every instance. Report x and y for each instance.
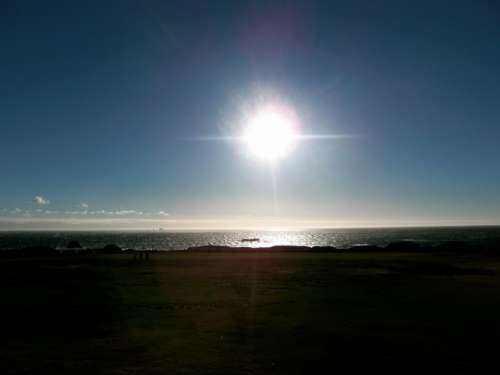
(270, 134)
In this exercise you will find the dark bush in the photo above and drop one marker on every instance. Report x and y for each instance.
(365, 248)
(403, 246)
(74, 245)
(110, 249)
(38, 251)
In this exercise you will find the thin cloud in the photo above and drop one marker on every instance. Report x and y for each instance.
(75, 212)
(100, 212)
(128, 212)
(105, 213)
(83, 212)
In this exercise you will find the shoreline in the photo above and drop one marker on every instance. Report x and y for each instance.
(485, 247)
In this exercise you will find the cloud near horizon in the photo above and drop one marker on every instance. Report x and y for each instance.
(39, 212)
(40, 200)
(125, 213)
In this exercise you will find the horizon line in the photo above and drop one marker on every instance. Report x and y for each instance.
(269, 229)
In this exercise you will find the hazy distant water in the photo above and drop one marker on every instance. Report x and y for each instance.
(182, 240)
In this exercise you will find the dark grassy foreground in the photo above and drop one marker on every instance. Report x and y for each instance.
(249, 313)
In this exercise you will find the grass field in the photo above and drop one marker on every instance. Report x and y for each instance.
(249, 313)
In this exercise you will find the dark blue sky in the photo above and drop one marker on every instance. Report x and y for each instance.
(101, 103)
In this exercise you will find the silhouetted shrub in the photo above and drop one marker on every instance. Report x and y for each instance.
(73, 245)
(38, 251)
(325, 249)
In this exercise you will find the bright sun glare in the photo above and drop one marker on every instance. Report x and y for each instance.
(270, 134)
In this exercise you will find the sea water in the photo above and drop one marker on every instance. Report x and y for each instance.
(166, 240)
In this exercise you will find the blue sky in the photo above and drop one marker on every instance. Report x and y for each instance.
(102, 104)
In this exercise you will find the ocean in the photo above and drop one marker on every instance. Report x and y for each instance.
(165, 240)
